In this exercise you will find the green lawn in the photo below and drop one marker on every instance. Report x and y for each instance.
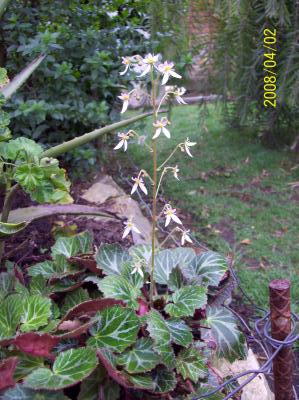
(237, 190)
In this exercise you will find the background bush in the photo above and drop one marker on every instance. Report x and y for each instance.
(74, 89)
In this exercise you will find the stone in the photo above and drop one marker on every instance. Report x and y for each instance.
(102, 190)
(258, 388)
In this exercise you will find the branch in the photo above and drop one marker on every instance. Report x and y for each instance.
(87, 137)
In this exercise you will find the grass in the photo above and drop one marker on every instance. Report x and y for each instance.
(237, 192)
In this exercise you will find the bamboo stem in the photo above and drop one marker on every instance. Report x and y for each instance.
(154, 205)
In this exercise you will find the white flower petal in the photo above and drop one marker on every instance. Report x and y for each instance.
(174, 74)
(166, 132)
(176, 219)
(145, 71)
(165, 78)
(126, 232)
(135, 229)
(119, 145)
(140, 272)
(143, 188)
(180, 100)
(168, 218)
(125, 106)
(157, 133)
(188, 151)
(188, 239)
(123, 72)
(125, 145)
(134, 188)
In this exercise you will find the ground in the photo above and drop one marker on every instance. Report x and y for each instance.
(236, 194)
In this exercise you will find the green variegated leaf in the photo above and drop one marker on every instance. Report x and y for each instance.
(70, 367)
(20, 392)
(74, 298)
(159, 332)
(117, 329)
(90, 387)
(58, 268)
(164, 380)
(180, 332)
(7, 283)
(10, 314)
(207, 268)
(36, 312)
(110, 390)
(190, 364)
(26, 364)
(141, 252)
(73, 245)
(38, 285)
(176, 279)
(119, 288)
(186, 300)
(140, 358)
(164, 264)
(183, 255)
(134, 278)
(110, 258)
(142, 381)
(224, 331)
(8, 229)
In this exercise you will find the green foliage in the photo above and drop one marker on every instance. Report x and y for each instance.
(69, 367)
(77, 83)
(149, 349)
(117, 329)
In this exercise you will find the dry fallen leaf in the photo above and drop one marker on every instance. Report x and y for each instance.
(245, 241)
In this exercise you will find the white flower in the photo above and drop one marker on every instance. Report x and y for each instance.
(148, 61)
(138, 183)
(130, 227)
(171, 215)
(124, 137)
(175, 171)
(127, 61)
(188, 144)
(125, 97)
(185, 237)
(138, 268)
(167, 70)
(178, 93)
(161, 127)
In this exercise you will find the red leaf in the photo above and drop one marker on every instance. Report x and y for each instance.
(116, 375)
(37, 344)
(90, 307)
(86, 262)
(7, 369)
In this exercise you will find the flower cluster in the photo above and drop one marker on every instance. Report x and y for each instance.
(163, 71)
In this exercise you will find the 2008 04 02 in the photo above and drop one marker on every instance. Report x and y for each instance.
(269, 65)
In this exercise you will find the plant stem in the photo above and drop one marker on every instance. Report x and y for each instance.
(169, 157)
(5, 211)
(154, 205)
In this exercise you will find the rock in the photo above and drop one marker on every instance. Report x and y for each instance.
(116, 201)
(258, 388)
(102, 190)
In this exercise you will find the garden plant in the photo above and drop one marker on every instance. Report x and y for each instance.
(111, 322)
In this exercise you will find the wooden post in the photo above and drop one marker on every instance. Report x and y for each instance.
(281, 325)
